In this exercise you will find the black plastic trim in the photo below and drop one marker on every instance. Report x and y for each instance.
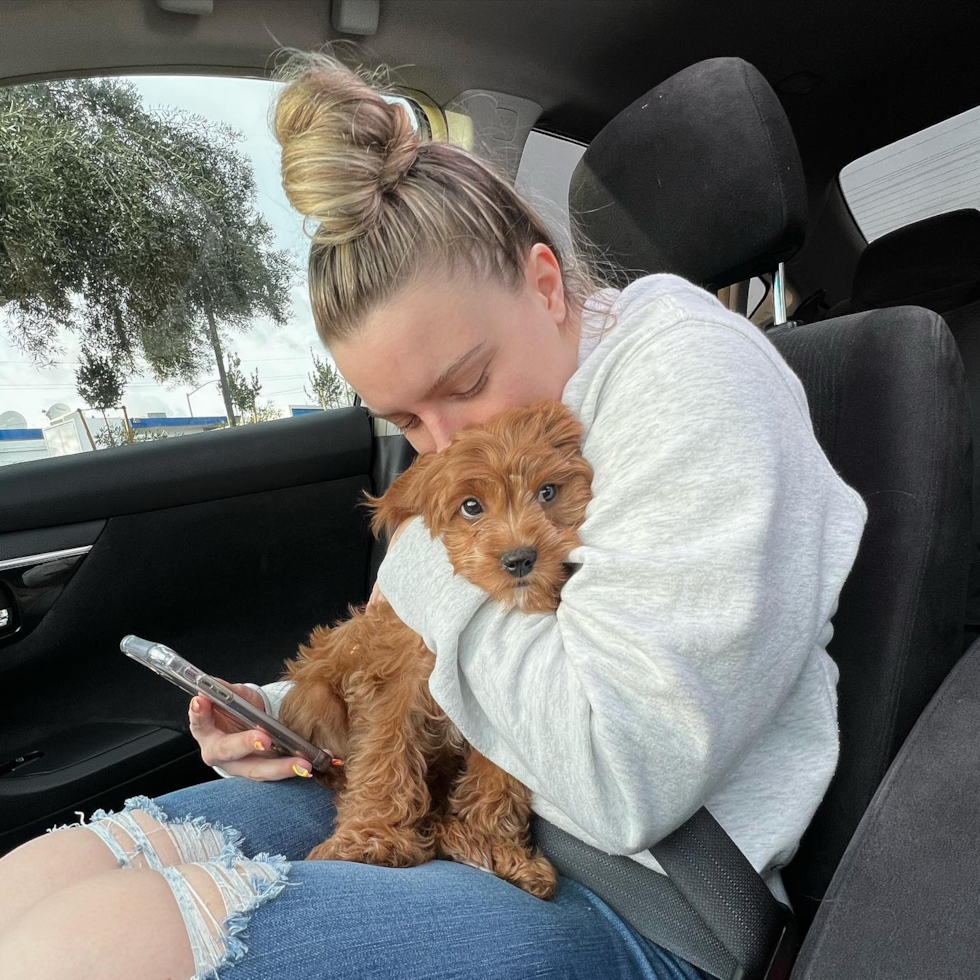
(39, 541)
(187, 470)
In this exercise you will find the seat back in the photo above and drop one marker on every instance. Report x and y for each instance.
(889, 405)
(701, 177)
(935, 264)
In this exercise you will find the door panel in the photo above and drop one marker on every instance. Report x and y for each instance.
(229, 547)
(204, 466)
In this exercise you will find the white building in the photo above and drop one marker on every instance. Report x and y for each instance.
(21, 444)
(79, 432)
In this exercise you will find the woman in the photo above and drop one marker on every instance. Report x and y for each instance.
(686, 664)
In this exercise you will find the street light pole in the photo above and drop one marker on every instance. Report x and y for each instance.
(190, 411)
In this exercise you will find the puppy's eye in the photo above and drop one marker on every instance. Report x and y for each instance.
(547, 493)
(471, 508)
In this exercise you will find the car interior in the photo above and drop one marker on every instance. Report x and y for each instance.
(708, 146)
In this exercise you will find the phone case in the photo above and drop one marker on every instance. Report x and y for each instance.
(174, 668)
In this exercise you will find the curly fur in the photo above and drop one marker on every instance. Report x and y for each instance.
(411, 788)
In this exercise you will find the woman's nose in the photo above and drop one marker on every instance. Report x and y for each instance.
(441, 431)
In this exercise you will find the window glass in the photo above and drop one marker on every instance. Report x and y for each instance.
(152, 272)
(543, 178)
(931, 172)
(757, 293)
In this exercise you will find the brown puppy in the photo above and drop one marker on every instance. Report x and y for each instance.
(507, 498)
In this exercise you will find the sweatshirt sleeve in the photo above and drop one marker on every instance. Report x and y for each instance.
(713, 551)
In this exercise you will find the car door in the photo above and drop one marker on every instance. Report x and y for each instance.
(228, 546)
(215, 508)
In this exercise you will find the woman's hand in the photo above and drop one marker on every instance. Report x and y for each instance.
(239, 753)
(376, 592)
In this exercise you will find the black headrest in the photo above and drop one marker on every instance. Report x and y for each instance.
(933, 263)
(700, 177)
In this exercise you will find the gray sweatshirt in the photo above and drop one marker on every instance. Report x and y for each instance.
(686, 664)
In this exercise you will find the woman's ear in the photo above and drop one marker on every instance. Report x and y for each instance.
(405, 498)
(544, 280)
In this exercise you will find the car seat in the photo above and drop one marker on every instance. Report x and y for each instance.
(701, 177)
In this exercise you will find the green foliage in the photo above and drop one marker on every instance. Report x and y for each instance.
(262, 413)
(136, 230)
(110, 438)
(327, 385)
(244, 391)
(98, 382)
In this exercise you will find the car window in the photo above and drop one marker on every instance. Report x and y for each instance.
(543, 177)
(152, 272)
(928, 173)
(758, 290)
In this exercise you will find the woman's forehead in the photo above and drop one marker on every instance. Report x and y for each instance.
(405, 350)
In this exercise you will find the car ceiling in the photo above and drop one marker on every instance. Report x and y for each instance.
(878, 71)
(852, 75)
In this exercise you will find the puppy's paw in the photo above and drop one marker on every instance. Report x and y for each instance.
(511, 861)
(381, 846)
(535, 875)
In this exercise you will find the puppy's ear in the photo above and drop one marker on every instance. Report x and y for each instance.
(405, 498)
(557, 425)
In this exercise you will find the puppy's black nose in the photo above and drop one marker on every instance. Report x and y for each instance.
(519, 561)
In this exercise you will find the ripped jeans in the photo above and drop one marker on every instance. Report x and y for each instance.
(291, 919)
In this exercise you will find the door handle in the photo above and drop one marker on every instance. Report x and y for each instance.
(9, 616)
(8, 767)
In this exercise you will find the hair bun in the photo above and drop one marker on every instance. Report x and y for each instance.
(344, 147)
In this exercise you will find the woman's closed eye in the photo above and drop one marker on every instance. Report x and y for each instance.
(406, 425)
(408, 422)
(476, 389)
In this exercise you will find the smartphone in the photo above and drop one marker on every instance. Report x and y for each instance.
(174, 668)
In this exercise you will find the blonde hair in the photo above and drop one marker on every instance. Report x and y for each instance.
(385, 207)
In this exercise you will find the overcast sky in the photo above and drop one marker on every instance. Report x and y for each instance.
(282, 355)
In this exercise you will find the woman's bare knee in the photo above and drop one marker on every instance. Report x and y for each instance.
(141, 923)
(69, 855)
(45, 865)
(112, 925)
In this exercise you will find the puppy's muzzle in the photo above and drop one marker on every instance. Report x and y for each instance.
(518, 562)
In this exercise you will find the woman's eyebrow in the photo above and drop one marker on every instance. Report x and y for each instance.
(446, 375)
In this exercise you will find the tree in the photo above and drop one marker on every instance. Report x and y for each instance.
(99, 384)
(327, 385)
(262, 413)
(266, 413)
(244, 391)
(136, 230)
(107, 439)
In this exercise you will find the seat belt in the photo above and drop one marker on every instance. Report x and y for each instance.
(712, 908)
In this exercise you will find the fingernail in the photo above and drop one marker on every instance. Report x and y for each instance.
(300, 771)
(336, 762)
(259, 745)
(195, 706)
